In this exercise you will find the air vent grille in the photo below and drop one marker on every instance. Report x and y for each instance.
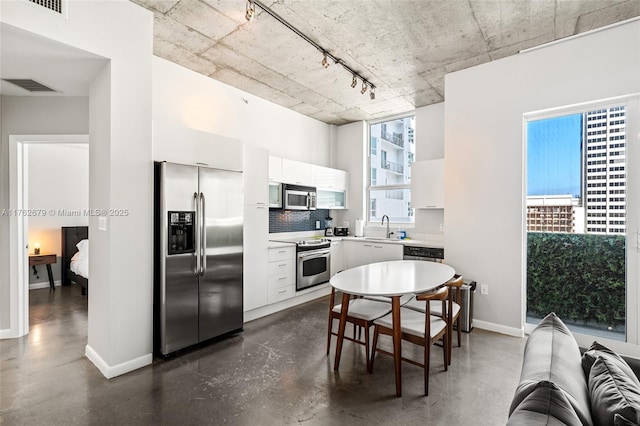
(55, 5)
(28, 84)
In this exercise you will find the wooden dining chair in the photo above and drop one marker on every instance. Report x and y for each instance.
(419, 328)
(455, 301)
(361, 313)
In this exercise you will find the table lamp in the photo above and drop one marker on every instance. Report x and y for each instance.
(36, 248)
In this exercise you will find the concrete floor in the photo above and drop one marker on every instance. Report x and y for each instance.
(273, 373)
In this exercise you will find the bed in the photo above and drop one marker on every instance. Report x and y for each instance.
(75, 256)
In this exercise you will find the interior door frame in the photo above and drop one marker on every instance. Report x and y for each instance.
(18, 225)
(632, 106)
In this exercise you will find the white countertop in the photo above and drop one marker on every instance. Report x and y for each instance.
(277, 244)
(278, 240)
(392, 278)
(405, 242)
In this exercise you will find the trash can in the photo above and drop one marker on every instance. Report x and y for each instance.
(466, 306)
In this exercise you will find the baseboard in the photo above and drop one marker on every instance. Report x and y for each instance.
(498, 328)
(117, 370)
(307, 296)
(7, 333)
(43, 284)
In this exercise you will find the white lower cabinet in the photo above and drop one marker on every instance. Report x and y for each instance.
(281, 279)
(337, 257)
(360, 253)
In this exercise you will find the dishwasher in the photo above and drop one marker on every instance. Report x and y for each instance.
(434, 254)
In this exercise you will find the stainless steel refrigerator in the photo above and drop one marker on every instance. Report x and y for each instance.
(198, 255)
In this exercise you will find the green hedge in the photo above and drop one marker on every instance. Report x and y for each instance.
(580, 277)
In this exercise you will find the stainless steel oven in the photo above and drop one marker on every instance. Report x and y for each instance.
(313, 266)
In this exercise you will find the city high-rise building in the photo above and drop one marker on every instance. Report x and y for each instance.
(604, 153)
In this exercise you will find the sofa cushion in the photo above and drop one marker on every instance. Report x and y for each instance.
(597, 350)
(613, 392)
(618, 420)
(552, 354)
(545, 405)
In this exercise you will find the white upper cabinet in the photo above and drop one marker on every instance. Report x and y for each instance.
(256, 191)
(297, 173)
(332, 188)
(328, 178)
(330, 183)
(275, 169)
(427, 184)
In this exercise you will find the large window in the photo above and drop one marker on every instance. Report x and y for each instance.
(578, 259)
(391, 152)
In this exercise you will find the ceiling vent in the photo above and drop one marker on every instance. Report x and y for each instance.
(54, 5)
(28, 84)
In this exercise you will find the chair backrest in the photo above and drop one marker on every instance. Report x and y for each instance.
(441, 293)
(456, 283)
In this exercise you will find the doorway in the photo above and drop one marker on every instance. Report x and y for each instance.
(44, 215)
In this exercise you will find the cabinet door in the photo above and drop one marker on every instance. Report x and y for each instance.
(328, 178)
(297, 173)
(255, 175)
(256, 256)
(427, 184)
(360, 253)
(330, 199)
(275, 169)
(337, 257)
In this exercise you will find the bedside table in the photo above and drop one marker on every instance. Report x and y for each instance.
(44, 259)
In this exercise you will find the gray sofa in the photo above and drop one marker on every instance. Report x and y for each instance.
(561, 385)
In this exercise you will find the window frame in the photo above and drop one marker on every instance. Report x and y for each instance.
(368, 187)
(632, 105)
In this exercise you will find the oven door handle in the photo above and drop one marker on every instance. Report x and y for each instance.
(314, 254)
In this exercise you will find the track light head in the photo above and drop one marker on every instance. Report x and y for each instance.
(251, 10)
(325, 63)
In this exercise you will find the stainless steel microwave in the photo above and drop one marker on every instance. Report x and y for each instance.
(298, 197)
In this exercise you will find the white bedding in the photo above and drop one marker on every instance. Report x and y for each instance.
(80, 261)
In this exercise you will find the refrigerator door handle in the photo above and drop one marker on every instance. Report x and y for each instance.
(203, 237)
(195, 258)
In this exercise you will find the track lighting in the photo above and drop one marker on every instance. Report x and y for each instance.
(372, 93)
(250, 13)
(325, 63)
(251, 10)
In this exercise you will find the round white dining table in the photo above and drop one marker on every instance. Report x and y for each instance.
(393, 279)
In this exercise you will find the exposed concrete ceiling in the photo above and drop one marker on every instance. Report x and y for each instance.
(404, 47)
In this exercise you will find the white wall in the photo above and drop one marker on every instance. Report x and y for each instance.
(58, 179)
(28, 116)
(484, 151)
(182, 97)
(121, 173)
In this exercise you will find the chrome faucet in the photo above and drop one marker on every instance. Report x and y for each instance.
(388, 233)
